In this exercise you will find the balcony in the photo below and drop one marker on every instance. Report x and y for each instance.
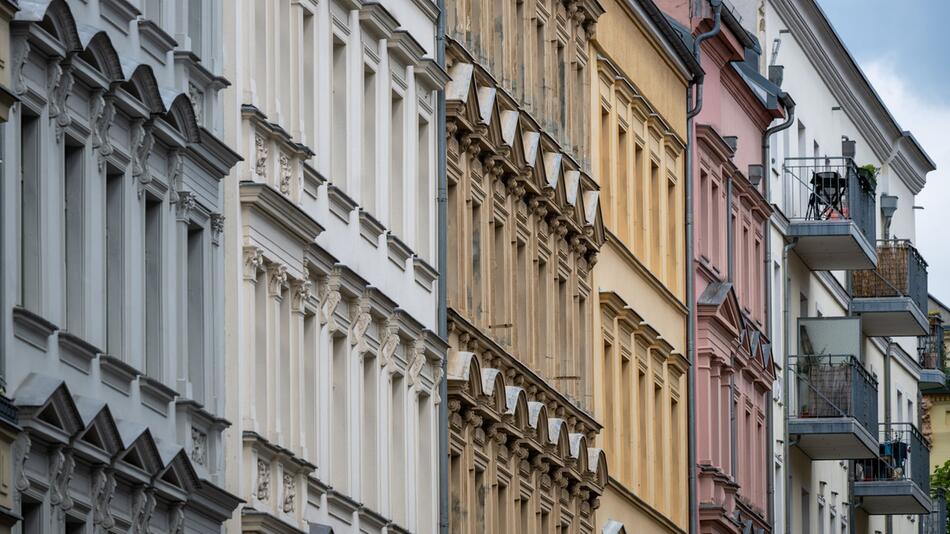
(897, 482)
(931, 356)
(836, 408)
(936, 521)
(830, 210)
(892, 298)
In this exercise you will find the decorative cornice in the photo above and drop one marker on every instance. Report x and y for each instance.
(280, 210)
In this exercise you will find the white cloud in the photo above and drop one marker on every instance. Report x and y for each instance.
(927, 119)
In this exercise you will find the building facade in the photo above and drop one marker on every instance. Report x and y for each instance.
(638, 122)
(849, 292)
(524, 229)
(333, 365)
(112, 315)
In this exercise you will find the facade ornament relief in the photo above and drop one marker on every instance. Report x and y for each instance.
(61, 469)
(286, 173)
(360, 326)
(186, 203)
(61, 85)
(290, 493)
(199, 447)
(176, 176)
(22, 57)
(143, 505)
(217, 227)
(253, 262)
(331, 298)
(177, 521)
(261, 151)
(262, 492)
(197, 102)
(390, 343)
(416, 362)
(299, 295)
(142, 142)
(21, 453)
(103, 490)
(276, 280)
(436, 391)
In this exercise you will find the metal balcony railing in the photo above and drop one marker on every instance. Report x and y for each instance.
(828, 189)
(900, 272)
(930, 349)
(835, 386)
(904, 455)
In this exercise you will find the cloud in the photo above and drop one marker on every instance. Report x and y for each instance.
(927, 118)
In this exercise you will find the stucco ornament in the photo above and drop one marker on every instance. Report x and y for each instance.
(253, 262)
(390, 343)
(142, 142)
(290, 492)
(331, 298)
(263, 480)
(22, 57)
(360, 326)
(143, 505)
(435, 393)
(417, 362)
(21, 453)
(286, 173)
(103, 490)
(61, 469)
(197, 101)
(177, 175)
(299, 295)
(177, 521)
(199, 447)
(186, 203)
(276, 279)
(217, 227)
(60, 86)
(261, 152)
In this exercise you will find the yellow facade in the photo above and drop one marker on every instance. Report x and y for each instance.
(638, 123)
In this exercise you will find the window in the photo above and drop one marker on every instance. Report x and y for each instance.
(656, 261)
(480, 491)
(196, 313)
(522, 323)
(115, 261)
(499, 319)
(475, 295)
(501, 510)
(643, 438)
(623, 187)
(154, 287)
(398, 458)
(73, 235)
(610, 425)
(625, 400)
(31, 268)
(539, 65)
(821, 518)
(543, 306)
(639, 232)
(605, 171)
(806, 512)
(368, 180)
(424, 459)
(153, 10)
(311, 333)
(672, 234)
(309, 80)
(423, 191)
(396, 155)
(369, 437)
(195, 30)
(338, 120)
(339, 410)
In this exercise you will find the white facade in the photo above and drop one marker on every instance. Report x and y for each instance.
(834, 101)
(332, 362)
(112, 302)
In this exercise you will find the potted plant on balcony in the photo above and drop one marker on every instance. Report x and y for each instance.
(867, 174)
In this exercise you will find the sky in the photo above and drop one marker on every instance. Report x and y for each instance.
(902, 48)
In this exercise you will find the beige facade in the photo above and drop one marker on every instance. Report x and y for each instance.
(524, 231)
(638, 123)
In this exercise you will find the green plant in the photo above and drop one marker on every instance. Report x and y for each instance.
(870, 169)
(940, 478)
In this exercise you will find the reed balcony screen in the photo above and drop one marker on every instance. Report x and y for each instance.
(930, 352)
(892, 297)
(898, 480)
(830, 209)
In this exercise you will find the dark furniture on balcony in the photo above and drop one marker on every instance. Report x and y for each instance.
(836, 408)
(892, 298)
(897, 482)
(830, 210)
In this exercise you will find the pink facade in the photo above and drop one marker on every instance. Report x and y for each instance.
(733, 363)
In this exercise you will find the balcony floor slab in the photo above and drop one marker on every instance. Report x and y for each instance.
(833, 438)
(890, 316)
(832, 245)
(892, 497)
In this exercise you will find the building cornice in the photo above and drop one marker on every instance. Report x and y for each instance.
(851, 88)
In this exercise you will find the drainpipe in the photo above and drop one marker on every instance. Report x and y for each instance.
(789, 105)
(786, 462)
(442, 287)
(691, 112)
(888, 520)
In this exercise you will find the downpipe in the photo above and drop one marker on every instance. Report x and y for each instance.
(691, 111)
(443, 224)
(786, 387)
(789, 105)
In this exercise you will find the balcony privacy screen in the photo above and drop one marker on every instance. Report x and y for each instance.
(903, 455)
(831, 386)
(900, 272)
(930, 347)
(828, 189)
